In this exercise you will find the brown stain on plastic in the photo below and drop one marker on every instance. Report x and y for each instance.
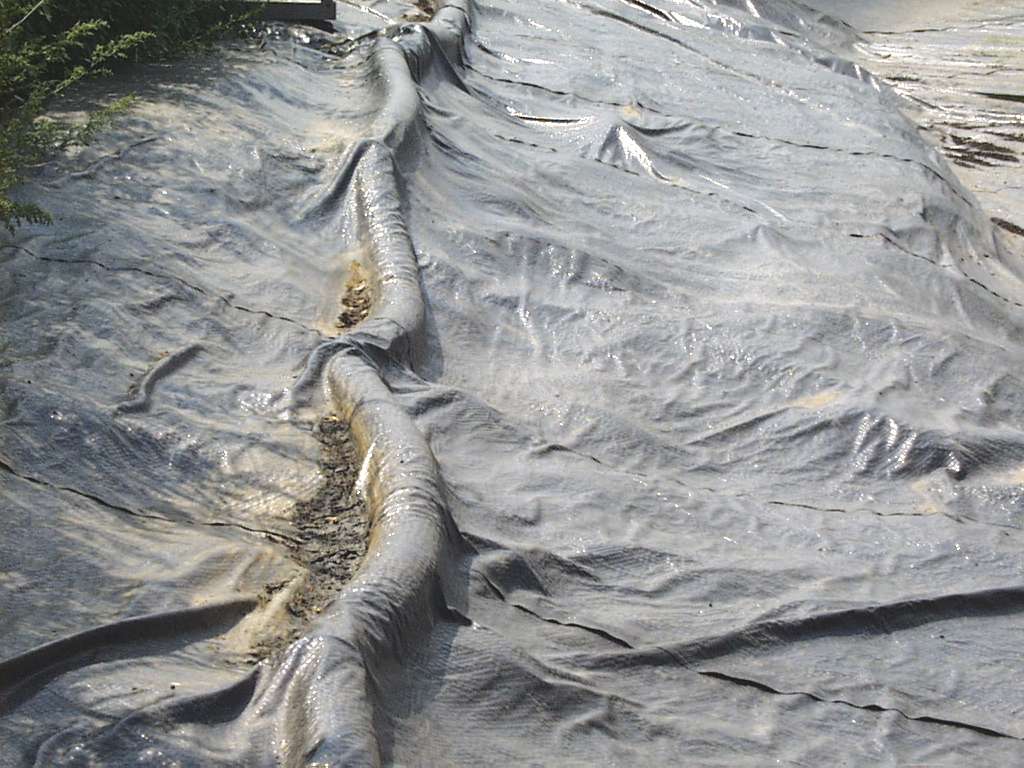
(422, 10)
(356, 300)
(817, 401)
(332, 528)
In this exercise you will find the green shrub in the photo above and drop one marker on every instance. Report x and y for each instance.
(47, 46)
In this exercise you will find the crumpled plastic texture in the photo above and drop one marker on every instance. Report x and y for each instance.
(689, 408)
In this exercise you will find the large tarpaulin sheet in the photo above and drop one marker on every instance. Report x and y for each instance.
(689, 409)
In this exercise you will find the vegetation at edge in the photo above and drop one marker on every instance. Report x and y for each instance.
(47, 46)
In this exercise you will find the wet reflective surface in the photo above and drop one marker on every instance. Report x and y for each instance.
(700, 440)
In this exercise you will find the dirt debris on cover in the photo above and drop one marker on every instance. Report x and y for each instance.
(333, 530)
(424, 10)
(357, 299)
(332, 524)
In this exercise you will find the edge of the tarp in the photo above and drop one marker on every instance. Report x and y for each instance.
(325, 10)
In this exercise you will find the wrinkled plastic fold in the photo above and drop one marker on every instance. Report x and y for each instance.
(687, 408)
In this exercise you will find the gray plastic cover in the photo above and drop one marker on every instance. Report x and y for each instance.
(689, 409)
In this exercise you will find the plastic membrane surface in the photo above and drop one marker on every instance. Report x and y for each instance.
(688, 410)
